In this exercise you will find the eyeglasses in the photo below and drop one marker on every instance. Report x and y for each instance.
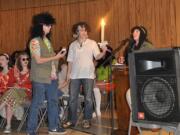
(25, 59)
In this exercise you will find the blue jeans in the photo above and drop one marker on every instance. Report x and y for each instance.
(42, 91)
(60, 93)
(75, 85)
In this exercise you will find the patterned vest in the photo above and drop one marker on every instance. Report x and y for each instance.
(41, 72)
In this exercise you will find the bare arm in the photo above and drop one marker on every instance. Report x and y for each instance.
(35, 51)
(100, 55)
(41, 60)
(69, 71)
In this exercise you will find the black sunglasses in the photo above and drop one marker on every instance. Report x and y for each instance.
(25, 59)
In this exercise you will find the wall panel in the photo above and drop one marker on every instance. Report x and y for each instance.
(160, 17)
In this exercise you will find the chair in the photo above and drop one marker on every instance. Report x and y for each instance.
(26, 107)
(106, 87)
(169, 128)
(80, 106)
(63, 103)
(42, 114)
(3, 122)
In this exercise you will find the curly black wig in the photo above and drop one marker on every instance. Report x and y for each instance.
(43, 18)
(37, 24)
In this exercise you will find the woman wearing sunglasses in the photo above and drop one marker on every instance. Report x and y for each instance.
(19, 89)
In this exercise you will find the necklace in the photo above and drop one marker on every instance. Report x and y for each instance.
(81, 43)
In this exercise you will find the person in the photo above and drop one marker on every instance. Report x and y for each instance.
(103, 72)
(62, 72)
(4, 69)
(18, 90)
(14, 56)
(138, 41)
(63, 87)
(43, 74)
(81, 72)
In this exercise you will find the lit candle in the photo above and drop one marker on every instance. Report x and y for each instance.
(102, 29)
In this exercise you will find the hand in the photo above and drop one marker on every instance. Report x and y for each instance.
(61, 54)
(103, 46)
(64, 84)
(104, 49)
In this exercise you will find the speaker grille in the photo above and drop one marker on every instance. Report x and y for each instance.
(158, 97)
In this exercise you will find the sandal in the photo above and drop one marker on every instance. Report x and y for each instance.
(86, 124)
(68, 124)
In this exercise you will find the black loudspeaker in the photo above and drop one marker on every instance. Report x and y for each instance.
(155, 85)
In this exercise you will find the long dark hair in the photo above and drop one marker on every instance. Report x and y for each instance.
(14, 56)
(7, 58)
(18, 60)
(142, 37)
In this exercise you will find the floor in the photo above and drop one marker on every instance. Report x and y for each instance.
(100, 126)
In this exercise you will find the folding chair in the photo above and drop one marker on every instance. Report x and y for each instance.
(42, 114)
(81, 108)
(106, 87)
(65, 98)
(80, 105)
(3, 122)
(63, 103)
(26, 107)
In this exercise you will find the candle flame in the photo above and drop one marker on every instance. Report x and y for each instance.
(103, 22)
